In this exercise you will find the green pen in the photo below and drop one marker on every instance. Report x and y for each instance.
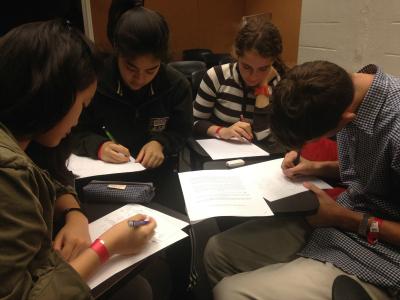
(109, 134)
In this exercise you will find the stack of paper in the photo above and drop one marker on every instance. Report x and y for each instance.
(240, 191)
(87, 167)
(168, 231)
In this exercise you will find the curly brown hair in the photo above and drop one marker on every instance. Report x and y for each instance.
(264, 37)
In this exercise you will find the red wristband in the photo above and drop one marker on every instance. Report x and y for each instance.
(217, 132)
(373, 232)
(100, 248)
(99, 151)
(262, 90)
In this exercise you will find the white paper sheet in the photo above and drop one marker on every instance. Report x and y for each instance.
(226, 149)
(212, 193)
(268, 178)
(240, 191)
(168, 231)
(87, 167)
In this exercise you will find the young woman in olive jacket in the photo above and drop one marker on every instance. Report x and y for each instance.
(47, 76)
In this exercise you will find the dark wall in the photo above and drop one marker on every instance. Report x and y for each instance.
(17, 12)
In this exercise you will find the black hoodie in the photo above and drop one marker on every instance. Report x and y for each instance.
(160, 111)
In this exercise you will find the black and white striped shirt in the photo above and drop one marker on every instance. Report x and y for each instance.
(369, 160)
(222, 97)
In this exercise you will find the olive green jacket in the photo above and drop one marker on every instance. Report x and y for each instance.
(29, 267)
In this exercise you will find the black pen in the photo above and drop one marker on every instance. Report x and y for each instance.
(297, 159)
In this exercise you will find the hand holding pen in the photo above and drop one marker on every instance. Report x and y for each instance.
(247, 128)
(239, 131)
(137, 223)
(111, 151)
(296, 161)
(290, 162)
(125, 239)
(294, 165)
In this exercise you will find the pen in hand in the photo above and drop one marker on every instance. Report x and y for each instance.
(109, 134)
(242, 119)
(296, 161)
(117, 148)
(136, 224)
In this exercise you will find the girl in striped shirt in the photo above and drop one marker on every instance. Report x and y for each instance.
(233, 99)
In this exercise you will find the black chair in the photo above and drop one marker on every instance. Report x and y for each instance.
(197, 77)
(214, 59)
(188, 67)
(225, 59)
(194, 54)
(346, 288)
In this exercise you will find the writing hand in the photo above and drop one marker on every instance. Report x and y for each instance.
(122, 239)
(238, 130)
(114, 153)
(292, 168)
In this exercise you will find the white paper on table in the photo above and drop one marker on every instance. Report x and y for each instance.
(226, 149)
(87, 167)
(212, 193)
(240, 191)
(168, 231)
(268, 178)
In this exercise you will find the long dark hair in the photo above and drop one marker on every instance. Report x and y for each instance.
(43, 65)
(264, 37)
(53, 159)
(134, 30)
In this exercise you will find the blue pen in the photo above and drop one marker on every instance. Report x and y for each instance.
(136, 224)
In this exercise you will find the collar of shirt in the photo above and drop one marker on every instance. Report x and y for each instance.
(373, 100)
(234, 67)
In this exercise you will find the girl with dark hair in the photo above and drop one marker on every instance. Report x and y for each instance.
(233, 99)
(48, 74)
(143, 103)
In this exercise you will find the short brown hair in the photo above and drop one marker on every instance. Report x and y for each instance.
(309, 102)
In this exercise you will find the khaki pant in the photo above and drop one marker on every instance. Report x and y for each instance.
(257, 260)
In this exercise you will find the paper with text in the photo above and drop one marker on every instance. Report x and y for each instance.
(212, 193)
(268, 178)
(240, 191)
(226, 149)
(168, 231)
(86, 167)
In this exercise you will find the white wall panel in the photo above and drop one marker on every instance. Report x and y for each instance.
(351, 33)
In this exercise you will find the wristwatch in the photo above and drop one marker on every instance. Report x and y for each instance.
(363, 227)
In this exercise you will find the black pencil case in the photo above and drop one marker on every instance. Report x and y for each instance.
(118, 191)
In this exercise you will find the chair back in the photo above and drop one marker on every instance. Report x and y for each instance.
(197, 77)
(188, 67)
(214, 59)
(194, 54)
